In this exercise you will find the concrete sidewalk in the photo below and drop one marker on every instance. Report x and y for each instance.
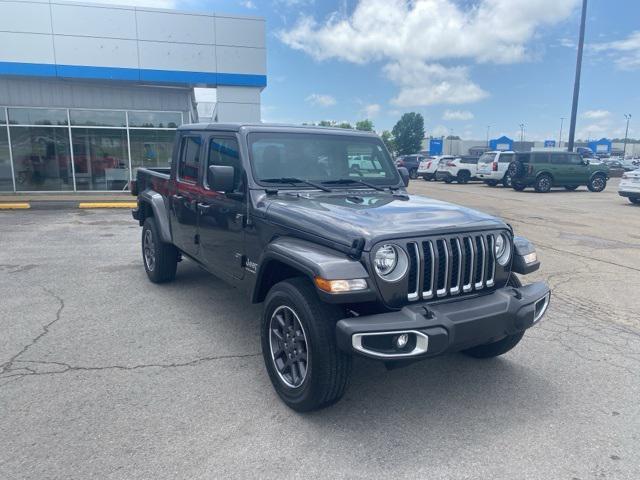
(55, 201)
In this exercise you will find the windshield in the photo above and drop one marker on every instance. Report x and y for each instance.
(487, 158)
(320, 158)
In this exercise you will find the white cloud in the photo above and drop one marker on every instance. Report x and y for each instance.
(596, 114)
(439, 131)
(248, 4)
(320, 100)
(567, 42)
(457, 115)
(626, 52)
(371, 110)
(423, 84)
(420, 34)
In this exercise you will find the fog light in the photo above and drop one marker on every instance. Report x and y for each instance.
(530, 257)
(402, 340)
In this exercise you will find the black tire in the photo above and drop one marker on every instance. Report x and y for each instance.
(494, 349)
(491, 183)
(160, 259)
(464, 176)
(448, 180)
(327, 369)
(517, 186)
(571, 188)
(427, 177)
(506, 180)
(543, 183)
(413, 173)
(597, 183)
(635, 200)
(516, 169)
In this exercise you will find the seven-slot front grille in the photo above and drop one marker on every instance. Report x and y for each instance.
(446, 266)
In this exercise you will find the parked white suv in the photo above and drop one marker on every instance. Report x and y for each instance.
(459, 169)
(429, 166)
(493, 166)
(630, 186)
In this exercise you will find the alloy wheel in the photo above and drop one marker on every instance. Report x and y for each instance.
(288, 344)
(149, 250)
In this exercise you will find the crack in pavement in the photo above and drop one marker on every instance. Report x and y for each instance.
(74, 368)
(7, 366)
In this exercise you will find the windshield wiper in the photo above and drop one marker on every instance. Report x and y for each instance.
(292, 180)
(346, 181)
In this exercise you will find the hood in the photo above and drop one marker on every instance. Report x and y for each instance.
(345, 216)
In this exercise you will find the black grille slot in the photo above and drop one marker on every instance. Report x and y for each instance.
(442, 264)
(413, 269)
(455, 263)
(479, 266)
(427, 279)
(468, 262)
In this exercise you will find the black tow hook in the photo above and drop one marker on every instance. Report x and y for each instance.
(516, 293)
(428, 314)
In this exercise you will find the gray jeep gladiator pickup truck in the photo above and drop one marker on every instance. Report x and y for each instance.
(316, 224)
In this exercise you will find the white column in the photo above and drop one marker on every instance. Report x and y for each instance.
(238, 104)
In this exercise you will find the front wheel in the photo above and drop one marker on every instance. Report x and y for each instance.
(597, 183)
(160, 259)
(502, 346)
(506, 180)
(413, 173)
(299, 348)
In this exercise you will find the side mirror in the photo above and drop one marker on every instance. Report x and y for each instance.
(404, 174)
(220, 178)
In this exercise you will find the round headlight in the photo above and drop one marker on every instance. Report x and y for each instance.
(503, 249)
(390, 262)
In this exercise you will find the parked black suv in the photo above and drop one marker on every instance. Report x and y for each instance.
(344, 260)
(411, 163)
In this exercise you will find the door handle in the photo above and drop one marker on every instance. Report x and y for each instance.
(203, 207)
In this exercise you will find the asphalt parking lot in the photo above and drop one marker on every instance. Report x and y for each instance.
(105, 375)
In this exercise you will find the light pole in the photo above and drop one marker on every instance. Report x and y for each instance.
(488, 128)
(560, 136)
(626, 134)
(521, 133)
(450, 139)
(576, 85)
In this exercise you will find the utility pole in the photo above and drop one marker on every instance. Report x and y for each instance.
(560, 136)
(576, 85)
(521, 133)
(488, 127)
(626, 134)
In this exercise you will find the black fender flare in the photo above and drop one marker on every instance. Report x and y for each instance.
(310, 259)
(157, 204)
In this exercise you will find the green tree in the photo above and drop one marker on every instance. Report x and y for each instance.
(344, 125)
(366, 125)
(326, 123)
(389, 141)
(408, 133)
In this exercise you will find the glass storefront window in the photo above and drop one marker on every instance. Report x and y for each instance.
(155, 119)
(6, 182)
(151, 148)
(100, 158)
(97, 118)
(37, 116)
(41, 158)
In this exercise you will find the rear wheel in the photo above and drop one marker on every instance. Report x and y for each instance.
(160, 259)
(494, 349)
(463, 176)
(543, 183)
(597, 183)
(571, 188)
(305, 366)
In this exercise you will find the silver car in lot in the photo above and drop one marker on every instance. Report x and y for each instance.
(630, 186)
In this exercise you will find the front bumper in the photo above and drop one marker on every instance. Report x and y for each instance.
(446, 327)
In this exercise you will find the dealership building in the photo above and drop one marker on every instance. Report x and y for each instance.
(90, 92)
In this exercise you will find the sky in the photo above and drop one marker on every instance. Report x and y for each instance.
(467, 66)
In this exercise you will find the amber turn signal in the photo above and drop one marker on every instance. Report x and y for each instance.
(340, 286)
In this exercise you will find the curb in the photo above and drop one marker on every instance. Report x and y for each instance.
(63, 205)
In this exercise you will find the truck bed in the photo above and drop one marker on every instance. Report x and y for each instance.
(156, 178)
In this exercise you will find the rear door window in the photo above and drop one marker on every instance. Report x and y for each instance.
(506, 158)
(540, 158)
(189, 163)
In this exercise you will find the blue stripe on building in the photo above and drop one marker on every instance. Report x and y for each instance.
(132, 74)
